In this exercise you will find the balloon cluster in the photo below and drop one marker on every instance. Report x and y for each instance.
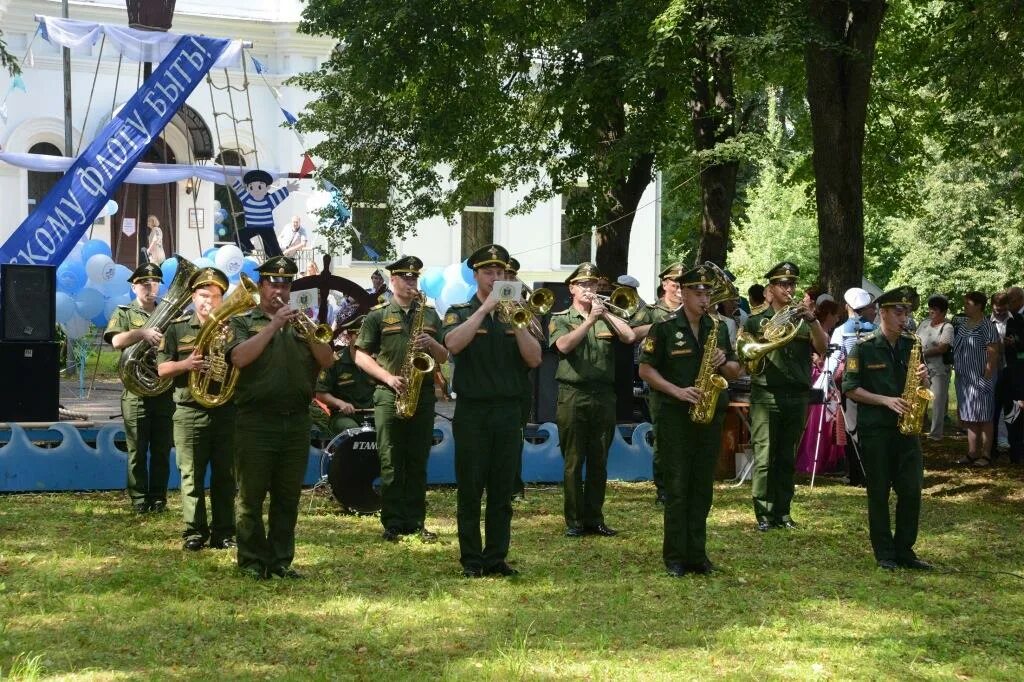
(90, 286)
(220, 217)
(449, 285)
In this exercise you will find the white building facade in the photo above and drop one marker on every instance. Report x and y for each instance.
(35, 123)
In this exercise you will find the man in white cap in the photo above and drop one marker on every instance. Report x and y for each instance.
(860, 311)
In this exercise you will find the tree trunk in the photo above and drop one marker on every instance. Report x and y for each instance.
(613, 239)
(712, 115)
(839, 62)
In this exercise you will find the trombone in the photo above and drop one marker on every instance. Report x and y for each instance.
(623, 302)
(522, 314)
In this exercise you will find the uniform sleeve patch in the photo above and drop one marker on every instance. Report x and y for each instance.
(451, 318)
(852, 364)
(648, 346)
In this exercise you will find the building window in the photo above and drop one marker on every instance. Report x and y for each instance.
(40, 183)
(370, 220)
(575, 241)
(477, 224)
(226, 196)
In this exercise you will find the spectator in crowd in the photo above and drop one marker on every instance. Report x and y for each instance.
(756, 296)
(936, 334)
(379, 287)
(1013, 353)
(155, 247)
(810, 299)
(294, 238)
(999, 318)
(975, 354)
(828, 450)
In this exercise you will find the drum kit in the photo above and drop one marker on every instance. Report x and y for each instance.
(351, 466)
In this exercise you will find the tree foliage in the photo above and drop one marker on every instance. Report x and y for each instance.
(7, 60)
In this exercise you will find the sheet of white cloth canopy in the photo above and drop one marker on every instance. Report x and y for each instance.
(142, 174)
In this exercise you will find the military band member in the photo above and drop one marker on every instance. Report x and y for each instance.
(582, 335)
(778, 400)
(876, 372)
(488, 414)
(669, 300)
(345, 388)
(670, 361)
(202, 436)
(278, 367)
(147, 420)
(526, 395)
(403, 444)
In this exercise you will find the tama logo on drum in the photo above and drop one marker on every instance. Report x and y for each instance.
(366, 445)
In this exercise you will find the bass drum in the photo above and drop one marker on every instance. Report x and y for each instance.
(353, 470)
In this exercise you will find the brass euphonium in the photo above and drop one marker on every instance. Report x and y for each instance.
(723, 289)
(914, 394)
(137, 365)
(214, 384)
(779, 330)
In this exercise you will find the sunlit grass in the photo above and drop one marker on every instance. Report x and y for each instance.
(90, 591)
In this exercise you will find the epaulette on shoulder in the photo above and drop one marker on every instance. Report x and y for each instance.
(460, 305)
(182, 318)
(867, 338)
(561, 312)
(380, 305)
(758, 309)
(124, 307)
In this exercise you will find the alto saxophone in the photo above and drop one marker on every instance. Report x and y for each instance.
(415, 365)
(709, 382)
(914, 394)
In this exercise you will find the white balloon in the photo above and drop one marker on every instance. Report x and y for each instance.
(216, 205)
(204, 263)
(100, 269)
(230, 259)
(76, 327)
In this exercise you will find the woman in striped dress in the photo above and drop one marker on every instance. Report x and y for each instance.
(975, 350)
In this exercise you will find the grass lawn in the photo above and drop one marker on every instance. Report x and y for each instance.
(90, 591)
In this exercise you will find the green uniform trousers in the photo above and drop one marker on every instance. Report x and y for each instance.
(586, 424)
(892, 461)
(204, 438)
(271, 453)
(148, 429)
(657, 473)
(525, 408)
(403, 446)
(689, 454)
(342, 422)
(488, 446)
(775, 431)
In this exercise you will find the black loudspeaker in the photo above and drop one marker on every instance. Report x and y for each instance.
(27, 311)
(32, 388)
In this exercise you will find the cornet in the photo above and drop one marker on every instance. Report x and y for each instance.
(309, 330)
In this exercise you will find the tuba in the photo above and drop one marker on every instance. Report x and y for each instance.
(214, 384)
(415, 365)
(723, 288)
(779, 330)
(914, 394)
(137, 365)
(709, 382)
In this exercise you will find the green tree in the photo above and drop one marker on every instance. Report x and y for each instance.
(7, 60)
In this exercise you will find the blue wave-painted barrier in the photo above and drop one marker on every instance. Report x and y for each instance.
(63, 457)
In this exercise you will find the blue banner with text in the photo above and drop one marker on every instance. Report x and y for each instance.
(50, 232)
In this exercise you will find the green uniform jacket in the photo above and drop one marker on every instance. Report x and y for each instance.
(127, 318)
(591, 364)
(671, 349)
(282, 377)
(347, 382)
(787, 370)
(877, 367)
(651, 313)
(385, 333)
(490, 367)
(179, 342)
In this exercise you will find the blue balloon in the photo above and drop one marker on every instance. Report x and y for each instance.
(100, 320)
(93, 247)
(169, 268)
(201, 263)
(65, 308)
(89, 303)
(71, 277)
(117, 286)
(249, 268)
(209, 253)
(467, 273)
(432, 281)
(220, 216)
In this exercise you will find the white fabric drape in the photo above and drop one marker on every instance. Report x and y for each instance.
(135, 45)
(142, 174)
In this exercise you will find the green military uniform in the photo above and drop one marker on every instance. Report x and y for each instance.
(272, 428)
(689, 451)
(346, 382)
(147, 420)
(403, 444)
(585, 411)
(892, 460)
(778, 413)
(525, 397)
(202, 436)
(487, 427)
(651, 313)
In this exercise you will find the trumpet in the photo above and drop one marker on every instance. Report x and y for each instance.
(623, 302)
(310, 331)
(521, 314)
